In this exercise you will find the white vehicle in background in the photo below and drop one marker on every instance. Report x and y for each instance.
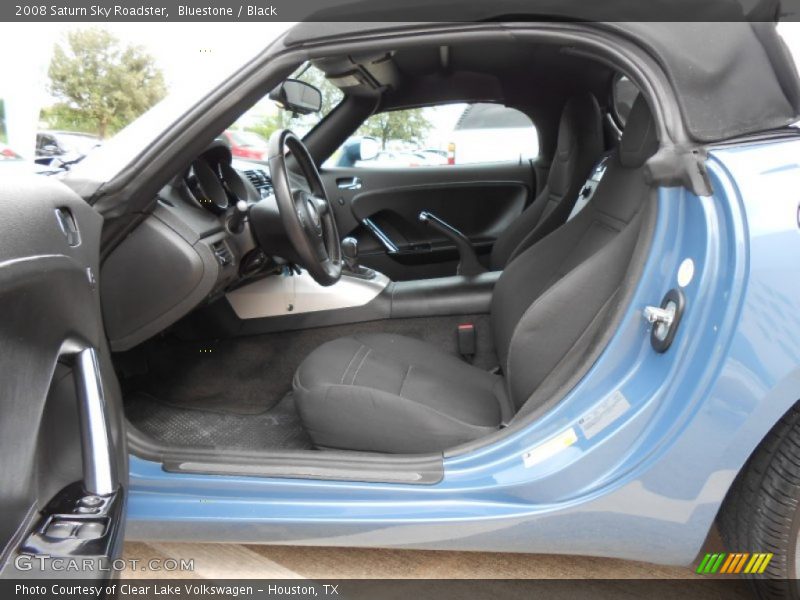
(436, 157)
(488, 132)
(67, 146)
(394, 158)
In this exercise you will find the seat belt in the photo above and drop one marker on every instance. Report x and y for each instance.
(466, 341)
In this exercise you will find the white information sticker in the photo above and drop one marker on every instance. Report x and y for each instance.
(550, 448)
(602, 415)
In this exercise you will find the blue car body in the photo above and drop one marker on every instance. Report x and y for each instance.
(649, 480)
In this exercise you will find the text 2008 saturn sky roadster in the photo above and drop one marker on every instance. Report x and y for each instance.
(596, 351)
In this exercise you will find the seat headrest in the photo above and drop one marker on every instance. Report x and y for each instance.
(639, 140)
(580, 131)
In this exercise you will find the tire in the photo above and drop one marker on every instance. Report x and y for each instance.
(761, 512)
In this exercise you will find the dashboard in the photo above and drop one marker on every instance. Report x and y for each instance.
(185, 252)
(189, 250)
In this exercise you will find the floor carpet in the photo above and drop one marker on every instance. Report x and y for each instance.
(235, 393)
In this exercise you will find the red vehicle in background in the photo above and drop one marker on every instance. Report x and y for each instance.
(7, 153)
(246, 144)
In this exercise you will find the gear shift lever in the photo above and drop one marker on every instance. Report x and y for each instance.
(350, 258)
(350, 253)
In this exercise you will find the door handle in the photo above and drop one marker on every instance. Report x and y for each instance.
(381, 235)
(85, 518)
(99, 458)
(348, 183)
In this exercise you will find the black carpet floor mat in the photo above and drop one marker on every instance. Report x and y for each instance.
(236, 392)
(276, 428)
(248, 375)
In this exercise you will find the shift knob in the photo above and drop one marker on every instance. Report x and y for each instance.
(350, 253)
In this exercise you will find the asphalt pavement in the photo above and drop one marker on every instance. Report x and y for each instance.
(235, 561)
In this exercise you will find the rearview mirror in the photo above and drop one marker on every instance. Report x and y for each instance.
(297, 96)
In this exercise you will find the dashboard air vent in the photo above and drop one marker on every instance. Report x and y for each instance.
(223, 254)
(260, 180)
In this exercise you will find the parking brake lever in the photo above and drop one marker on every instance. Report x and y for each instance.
(468, 261)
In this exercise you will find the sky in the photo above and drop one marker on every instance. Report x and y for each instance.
(191, 55)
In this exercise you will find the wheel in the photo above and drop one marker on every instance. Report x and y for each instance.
(762, 510)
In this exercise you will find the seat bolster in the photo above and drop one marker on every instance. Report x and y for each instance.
(369, 420)
(542, 337)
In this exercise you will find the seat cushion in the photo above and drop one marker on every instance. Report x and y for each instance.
(390, 393)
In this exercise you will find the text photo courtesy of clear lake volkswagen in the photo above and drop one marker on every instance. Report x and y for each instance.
(380, 299)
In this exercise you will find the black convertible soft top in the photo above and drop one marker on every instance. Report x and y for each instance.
(732, 76)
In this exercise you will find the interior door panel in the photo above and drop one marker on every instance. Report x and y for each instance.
(380, 208)
(63, 461)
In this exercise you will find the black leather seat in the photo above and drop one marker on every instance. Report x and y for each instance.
(579, 147)
(387, 393)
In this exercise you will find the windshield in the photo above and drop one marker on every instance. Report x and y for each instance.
(247, 139)
(119, 83)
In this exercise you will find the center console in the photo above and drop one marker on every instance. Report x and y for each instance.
(293, 300)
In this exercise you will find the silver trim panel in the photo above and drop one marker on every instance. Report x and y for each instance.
(99, 462)
(380, 234)
(290, 294)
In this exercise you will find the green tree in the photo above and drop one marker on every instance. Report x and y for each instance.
(65, 117)
(101, 83)
(407, 125)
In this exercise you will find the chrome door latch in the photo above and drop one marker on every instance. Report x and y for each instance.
(661, 316)
(665, 319)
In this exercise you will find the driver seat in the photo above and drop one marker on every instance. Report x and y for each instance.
(389, 393)
(578, 148)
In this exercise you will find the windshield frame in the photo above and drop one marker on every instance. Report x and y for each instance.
(170, 119)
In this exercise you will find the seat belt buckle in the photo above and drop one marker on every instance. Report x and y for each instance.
(466, 340)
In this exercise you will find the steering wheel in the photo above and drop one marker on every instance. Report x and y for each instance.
(304, 209)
